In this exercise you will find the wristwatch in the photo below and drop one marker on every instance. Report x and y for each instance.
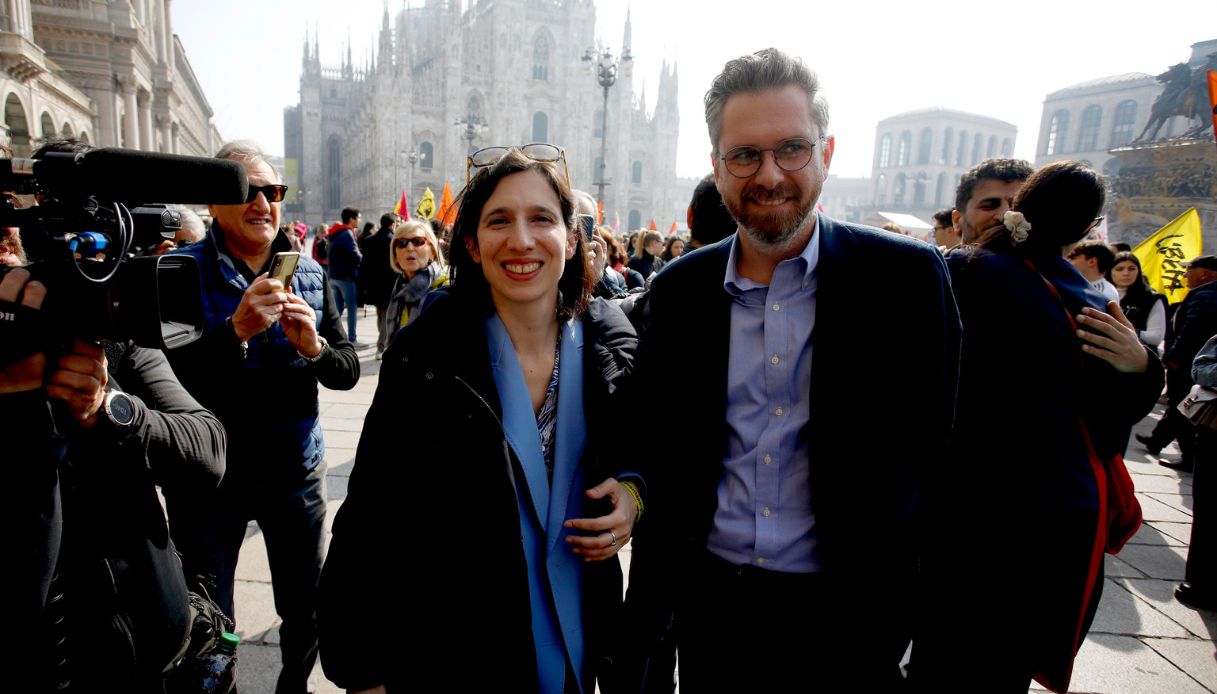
(119, 408)
(317, 356)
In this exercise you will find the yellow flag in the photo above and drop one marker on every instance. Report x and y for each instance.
(1163, 254)
(426, 206)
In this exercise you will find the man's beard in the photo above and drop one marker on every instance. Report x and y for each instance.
(773, 231)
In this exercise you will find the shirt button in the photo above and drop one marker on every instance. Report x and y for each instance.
(778, 412)
(768, 459)
(765, 512)
(806, 284)
(760, 560)
(774, 360)
(777, 307)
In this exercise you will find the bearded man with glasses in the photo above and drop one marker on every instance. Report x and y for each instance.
(819, 363)
(264, 349)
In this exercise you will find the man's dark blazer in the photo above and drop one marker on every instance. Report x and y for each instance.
(885, 350)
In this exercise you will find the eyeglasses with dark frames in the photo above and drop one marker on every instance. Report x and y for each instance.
(274, 192)
(537, 151)
(790, 156)
(417, 242)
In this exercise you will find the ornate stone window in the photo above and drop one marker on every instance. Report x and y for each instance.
(1088, 133)
(948, 136)
(540, 127)
(902, 150)
(540, 58)
(426, 156)
(1122, 125)
(885, 151)
(925, 144)
(1057, 128)
(636, 173)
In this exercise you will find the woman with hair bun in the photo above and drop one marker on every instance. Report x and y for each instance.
(1052, 378)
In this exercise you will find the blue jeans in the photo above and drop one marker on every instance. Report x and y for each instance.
(289, 507)
(344, 298)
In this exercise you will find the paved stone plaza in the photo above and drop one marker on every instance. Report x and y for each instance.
(1142, 641)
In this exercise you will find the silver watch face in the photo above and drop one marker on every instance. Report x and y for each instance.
(120, 409)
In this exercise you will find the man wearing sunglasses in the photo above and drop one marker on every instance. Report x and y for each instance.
(780, 539)
(264, 349)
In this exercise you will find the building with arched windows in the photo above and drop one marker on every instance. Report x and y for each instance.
(109, 72)
(444, 82)
(1088, 120)
(921, 155)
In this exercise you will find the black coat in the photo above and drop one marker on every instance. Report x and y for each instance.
(884, 363)
(376, 276)
(426, 574)
(1194, 323)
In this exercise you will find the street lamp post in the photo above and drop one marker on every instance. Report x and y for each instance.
(412, 157)
(606, 74)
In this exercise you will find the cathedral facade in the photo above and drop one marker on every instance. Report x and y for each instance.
(445, 81)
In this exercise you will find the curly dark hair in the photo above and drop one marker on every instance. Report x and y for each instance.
(1004, 170)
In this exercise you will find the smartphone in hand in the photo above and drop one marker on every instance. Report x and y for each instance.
(283, 268)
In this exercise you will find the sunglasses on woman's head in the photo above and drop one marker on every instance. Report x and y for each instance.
(537, 151)
(274, 192)
(417, 242)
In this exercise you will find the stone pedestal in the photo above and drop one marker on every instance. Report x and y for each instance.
(1152, 184)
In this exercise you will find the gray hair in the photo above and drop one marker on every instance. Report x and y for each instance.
(243, 150)
(766, 69)
(192, 224)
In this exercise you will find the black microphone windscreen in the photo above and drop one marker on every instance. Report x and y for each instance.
(132, 176)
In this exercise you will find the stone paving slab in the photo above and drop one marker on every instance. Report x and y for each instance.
(338, 459)
(1150, 534)
(1154, 510)
(1161, 483)
(1196, 658)
(1120, 612)
(1114, 664)
(1156, 562)
(1114, 567)
(258, 668)
(1179, 502)
(1180, 532)
(1161, 596)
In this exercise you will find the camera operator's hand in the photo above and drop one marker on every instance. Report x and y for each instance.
(25, 373)
(299, 323)
(261, 306)
(79, 380)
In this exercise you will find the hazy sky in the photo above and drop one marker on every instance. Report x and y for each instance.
(874, 59)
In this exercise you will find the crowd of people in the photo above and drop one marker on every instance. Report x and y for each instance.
(800, 532)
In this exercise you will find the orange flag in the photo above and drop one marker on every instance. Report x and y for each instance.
(672, 231)
(1213, 98)
(653, 227)
(402, 208)
(447, 211)
(599, 211)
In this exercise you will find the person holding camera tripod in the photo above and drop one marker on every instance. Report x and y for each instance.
(101, 597)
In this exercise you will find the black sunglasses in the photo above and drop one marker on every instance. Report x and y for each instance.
(274, 192)
(417, 242)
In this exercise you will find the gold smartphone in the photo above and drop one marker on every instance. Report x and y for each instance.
(283, 268)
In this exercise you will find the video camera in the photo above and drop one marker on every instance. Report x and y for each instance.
(82, 238)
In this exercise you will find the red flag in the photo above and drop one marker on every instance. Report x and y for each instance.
(1213, 98)
(672, 231)
(402, 208)
(599, 211)
(653, 227)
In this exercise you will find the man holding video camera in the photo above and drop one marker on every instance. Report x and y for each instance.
(265, 347)
(101, 597)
